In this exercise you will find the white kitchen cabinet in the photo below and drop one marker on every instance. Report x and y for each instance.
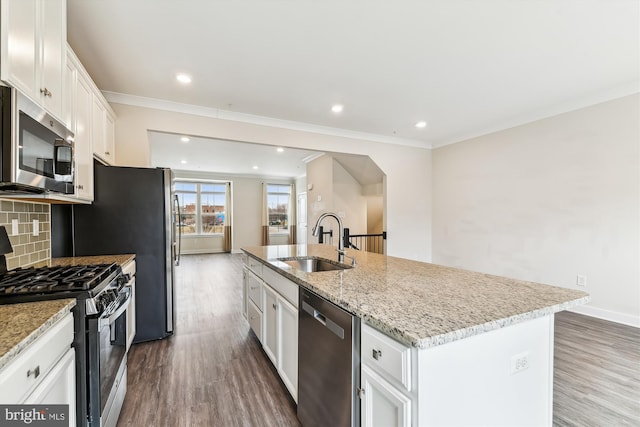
(44, 373)
(280, 336)
(382, 403)
(110, 138)
(270, 324)
(59, 386)
(288, 346)
(130, 269)
(79, 105)
(255, 319)
(272, 311)
(103, 130)
(33, 36)
(245, 296)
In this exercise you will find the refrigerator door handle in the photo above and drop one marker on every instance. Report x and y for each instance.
(179, 229)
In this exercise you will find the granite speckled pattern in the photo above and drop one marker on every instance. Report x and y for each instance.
(21, 324)
(95, 259)
(420, 304)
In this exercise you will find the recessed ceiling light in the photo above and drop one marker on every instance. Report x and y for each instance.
(421, 124)
(337, 108)
(185, 139)
(280, 150)
(184, 162)
(255, 168)
(183, 78)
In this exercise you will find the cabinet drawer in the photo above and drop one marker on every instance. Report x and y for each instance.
(253, 265)
(386, 356)
(255, 319)
(282, 285)
(23, 374)
(254, 289)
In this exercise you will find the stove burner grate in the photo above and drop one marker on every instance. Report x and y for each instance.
(51, 280)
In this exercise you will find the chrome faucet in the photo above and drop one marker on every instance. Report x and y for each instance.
(314, 233)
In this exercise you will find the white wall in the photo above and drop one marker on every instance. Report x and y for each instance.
(407, 169)
(348, 199)
(334, 190)
(547, 201)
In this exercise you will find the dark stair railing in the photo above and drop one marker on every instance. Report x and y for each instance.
(365, 242)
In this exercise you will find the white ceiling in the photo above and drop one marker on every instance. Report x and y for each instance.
(466, 67)
(226, 157)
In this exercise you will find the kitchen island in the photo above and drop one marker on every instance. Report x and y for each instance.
(479, 347)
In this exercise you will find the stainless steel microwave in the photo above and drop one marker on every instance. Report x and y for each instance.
(36, 150)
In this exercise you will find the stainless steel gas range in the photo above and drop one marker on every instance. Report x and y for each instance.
(103, 296)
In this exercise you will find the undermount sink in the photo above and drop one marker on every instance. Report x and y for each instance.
(312, 264)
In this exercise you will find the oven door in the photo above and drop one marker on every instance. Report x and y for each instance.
(108, 358)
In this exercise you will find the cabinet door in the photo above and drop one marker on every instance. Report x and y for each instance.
(83, 152)
(382, 404)
(255, 319)
(98, 117)
(245, 292)
(59, 386)
(270, 322)
(131, 314)
(109, 139)
(53, 39)
(288, 346)
(19, 47)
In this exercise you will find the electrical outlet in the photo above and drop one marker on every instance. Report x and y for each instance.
(519, 362)
(14, 227)
(581, 281)
(36, 227)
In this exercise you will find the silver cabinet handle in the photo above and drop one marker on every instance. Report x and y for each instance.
(46, 92)
(377, 354)
(35, 372)
(274, 306)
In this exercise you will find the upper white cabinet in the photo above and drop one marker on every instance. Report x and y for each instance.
(33, 37)
(79, 102)
(103, 130)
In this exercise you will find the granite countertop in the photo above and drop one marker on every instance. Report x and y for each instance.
(420, 304)
(21, 324)
(95, 259)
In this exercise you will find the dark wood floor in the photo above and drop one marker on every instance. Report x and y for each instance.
(212, 372)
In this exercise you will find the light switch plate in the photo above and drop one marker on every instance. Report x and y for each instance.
(14, 227)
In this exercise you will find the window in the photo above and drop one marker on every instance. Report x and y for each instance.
(278, 199)
(202, 207)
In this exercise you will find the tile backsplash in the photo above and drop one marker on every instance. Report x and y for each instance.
(27, 248)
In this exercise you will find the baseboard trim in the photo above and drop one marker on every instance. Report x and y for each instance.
(612, 316)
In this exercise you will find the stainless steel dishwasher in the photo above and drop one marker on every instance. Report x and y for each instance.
(328, 363)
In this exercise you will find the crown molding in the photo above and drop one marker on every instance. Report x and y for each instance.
(217, 113)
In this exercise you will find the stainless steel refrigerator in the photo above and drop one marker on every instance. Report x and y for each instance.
(135, 211)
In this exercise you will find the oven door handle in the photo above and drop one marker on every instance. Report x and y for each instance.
(105, 321)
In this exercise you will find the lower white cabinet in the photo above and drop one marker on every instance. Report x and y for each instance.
(280, 337)
(59, 386)
(270, 305)
(44, 373)
(382, 403)
(288, 346)
(270, 324)
(255, 319)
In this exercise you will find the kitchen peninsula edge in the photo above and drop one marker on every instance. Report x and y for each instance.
(439, 346)
(419, 304)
